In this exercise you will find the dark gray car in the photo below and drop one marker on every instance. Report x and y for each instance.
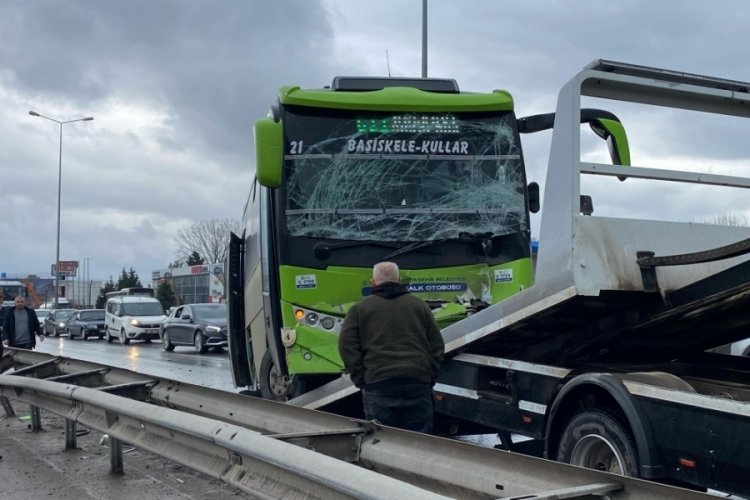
(86, 323)
(56, 322)
(200, 325)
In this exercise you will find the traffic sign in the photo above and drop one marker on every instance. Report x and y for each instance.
(67, 268)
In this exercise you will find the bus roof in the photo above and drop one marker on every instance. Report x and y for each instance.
(397, 99)
(136, 290)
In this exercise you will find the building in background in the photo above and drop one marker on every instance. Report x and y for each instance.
(74, 292)
(39, 291)
(202, 283)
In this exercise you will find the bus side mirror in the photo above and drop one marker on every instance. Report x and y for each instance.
(534, 200)
(613, 132)
(269, 152)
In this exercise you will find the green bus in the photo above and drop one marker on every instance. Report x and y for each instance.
(366, 170)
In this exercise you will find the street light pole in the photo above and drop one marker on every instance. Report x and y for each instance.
(59, 191)
(424, 38)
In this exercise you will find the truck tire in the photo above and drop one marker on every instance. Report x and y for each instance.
(598, 440)
(124, 340)
(108, 336)
(272, 385)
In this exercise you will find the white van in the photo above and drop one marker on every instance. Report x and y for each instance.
(131, 317)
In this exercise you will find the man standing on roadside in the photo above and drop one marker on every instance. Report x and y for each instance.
(393, 349)
(20, 326)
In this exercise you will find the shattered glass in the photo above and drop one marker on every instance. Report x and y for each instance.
(352, 185)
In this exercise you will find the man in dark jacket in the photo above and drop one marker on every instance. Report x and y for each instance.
(21, 326)
(393, 349)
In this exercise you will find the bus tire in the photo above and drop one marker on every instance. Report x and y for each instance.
(598, 440)
(273, 385)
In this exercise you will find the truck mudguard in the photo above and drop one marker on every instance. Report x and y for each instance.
(650, 465)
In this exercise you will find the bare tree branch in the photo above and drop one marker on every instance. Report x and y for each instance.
(210, 238)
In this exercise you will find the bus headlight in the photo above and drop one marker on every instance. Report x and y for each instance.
(331, 324)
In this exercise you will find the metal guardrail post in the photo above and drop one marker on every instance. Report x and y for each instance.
(70, 434)
(9, 411)
(36, 419)
(115, 456)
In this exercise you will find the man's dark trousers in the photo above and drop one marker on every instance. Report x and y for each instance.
(405, 404)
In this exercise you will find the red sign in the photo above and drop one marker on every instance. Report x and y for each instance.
(198, 269)
(67, 268)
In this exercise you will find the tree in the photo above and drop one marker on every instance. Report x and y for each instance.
(101, 299)
(735, 220)
(165, 295)
(194, 259)
(128, 279)
(208, 238)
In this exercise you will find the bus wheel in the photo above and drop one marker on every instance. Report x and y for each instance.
(273, 385)
(598, 440)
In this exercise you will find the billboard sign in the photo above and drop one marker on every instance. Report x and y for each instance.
(67, 268)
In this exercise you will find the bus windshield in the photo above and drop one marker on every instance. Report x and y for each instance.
(400, 177)
(9, 290)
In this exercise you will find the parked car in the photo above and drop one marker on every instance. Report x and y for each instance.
(41, 314)
(56, 321)
(132, 317)
(86, 323)
(201, 325)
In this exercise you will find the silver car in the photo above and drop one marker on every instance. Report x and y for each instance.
(56, 321)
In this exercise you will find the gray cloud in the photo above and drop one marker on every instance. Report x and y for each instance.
(176, 85)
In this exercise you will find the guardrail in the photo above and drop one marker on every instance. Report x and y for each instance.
(256, 464)
(245, 438)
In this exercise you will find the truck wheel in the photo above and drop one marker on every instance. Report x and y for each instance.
(199, 341)
(598, 440)
(108, 336)
(124, 340)
(273, 385)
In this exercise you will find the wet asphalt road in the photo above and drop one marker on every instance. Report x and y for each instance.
(184, 364)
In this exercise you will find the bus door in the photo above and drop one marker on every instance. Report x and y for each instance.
(240, 350)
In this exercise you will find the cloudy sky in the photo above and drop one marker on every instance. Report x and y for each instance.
(174, 87)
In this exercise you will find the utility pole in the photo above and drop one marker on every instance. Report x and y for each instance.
(424, 38)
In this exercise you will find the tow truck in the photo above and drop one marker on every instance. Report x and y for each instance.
(607, 360)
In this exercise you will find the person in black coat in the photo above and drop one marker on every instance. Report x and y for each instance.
(21, 326)
(393, 350)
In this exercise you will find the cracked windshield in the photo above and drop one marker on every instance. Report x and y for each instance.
(402, 176)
